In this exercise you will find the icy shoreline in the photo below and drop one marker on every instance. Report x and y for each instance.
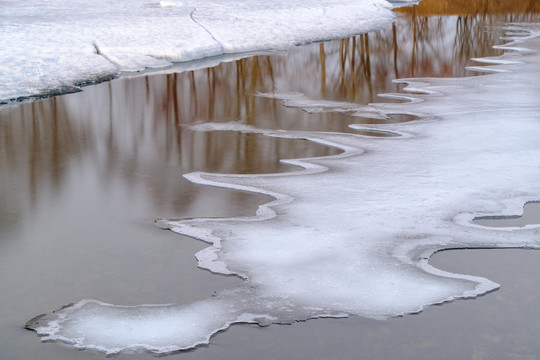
(401, 199)
(57, 47)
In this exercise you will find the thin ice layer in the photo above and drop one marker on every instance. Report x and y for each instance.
(351, 234)
(95, 325)
(57, 46)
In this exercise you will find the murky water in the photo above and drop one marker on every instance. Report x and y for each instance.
(531, 215)
(83, 176)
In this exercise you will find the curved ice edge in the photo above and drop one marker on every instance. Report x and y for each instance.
(512, 207)
(483, 286)
(208, 258)
(495, 61)
(300, 101)
(378, 130)
(513, 42)
(419, 252)
(49, 332)
(49, 327)
(403, 97)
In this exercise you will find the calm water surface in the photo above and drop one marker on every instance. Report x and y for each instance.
(83, 176)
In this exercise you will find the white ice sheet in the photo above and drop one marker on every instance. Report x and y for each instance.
(56, 46)
(351, 233)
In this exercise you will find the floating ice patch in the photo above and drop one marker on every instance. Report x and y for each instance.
(157, 328)
(57, 46)
(351, 233)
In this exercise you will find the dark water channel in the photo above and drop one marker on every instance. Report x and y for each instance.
(83, 176)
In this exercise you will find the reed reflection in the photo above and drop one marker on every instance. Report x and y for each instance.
(38, 141)
(434, 38)
(133, 131)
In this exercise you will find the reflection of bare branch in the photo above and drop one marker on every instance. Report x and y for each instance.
(38, 140)
(343, 50)
(394, 41)
(270, 72)
(323, 68)
(473, 7)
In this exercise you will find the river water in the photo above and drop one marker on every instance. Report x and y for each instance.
(84, 176)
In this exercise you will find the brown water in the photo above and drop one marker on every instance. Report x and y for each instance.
(83, 176)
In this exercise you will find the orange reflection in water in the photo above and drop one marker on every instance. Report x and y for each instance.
(419, 43)
(508, 8)
(137, 125)
(133, 132)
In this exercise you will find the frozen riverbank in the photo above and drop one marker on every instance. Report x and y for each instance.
(57, 47)
(351, 234)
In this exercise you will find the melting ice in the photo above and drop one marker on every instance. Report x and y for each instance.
(56, 46)
(351, 234)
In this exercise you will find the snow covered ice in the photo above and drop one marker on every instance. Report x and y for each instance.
(350, 234)
(57, 46)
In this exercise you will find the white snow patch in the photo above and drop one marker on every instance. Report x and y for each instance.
(57, 46)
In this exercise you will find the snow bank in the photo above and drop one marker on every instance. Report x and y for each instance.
(57, 46)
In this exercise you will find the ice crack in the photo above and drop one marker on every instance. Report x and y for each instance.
(100, 53)
(205, 29)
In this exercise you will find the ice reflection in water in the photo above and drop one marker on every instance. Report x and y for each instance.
(140, 154)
